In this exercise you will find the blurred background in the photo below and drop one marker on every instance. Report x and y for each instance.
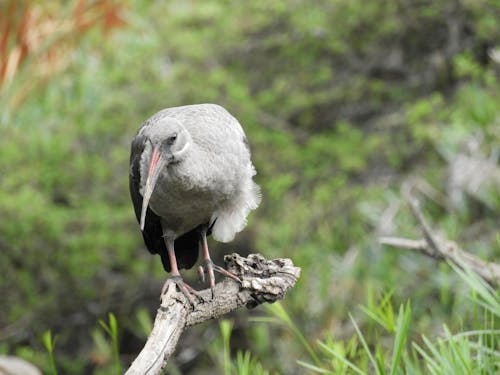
(344, 103)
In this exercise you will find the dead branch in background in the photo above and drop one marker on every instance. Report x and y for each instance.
(439, 248)
(262, 281)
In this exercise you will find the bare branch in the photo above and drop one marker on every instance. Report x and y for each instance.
(434, 246)
(432, 240)
(262, 281)
(417, 245)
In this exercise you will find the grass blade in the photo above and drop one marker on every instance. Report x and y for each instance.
(365, 345)
(345, 361)
(277, 310)
(402, 326)
(49, 344)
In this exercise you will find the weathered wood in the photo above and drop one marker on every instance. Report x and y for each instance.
(262, 281)
(439, 248)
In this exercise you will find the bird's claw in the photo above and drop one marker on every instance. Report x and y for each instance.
(185, 289)
(209, 268)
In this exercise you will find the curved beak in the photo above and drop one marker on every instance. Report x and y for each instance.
(158, 162)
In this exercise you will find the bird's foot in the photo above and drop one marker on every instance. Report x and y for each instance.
(209, 267)
(186, 289)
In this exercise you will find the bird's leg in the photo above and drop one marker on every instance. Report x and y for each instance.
(208, 266)
(176, 277)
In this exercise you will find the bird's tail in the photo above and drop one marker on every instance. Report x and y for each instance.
(232, 219)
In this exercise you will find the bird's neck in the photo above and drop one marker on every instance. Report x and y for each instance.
(190, 171)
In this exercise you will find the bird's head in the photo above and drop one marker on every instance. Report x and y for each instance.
(167, 143)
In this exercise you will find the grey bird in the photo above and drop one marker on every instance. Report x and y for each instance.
(191, 176)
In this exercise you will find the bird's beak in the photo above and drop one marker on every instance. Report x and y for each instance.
(156, 165)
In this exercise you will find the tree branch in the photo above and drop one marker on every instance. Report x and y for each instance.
(262, 281)
(434, 246)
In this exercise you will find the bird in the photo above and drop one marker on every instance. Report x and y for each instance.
(191, 176)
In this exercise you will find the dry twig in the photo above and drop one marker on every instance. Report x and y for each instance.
(262, 281)
(434, 246)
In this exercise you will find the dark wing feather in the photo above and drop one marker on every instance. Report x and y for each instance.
(186, 246)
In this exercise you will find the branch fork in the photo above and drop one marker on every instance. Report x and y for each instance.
(442, 249)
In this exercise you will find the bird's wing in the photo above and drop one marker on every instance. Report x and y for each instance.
(186, 246)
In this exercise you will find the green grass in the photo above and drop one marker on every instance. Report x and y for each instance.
(467, 352)
(111, 329)
(50, 342)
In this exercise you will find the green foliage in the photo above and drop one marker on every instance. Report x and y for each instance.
(457, 356)
(382, 312)
(343, 102)
(280, 313)
(243, 363)
(144, 323)
(470, 352)
(225, 329)
(402, 326)
(484, 294)
(111, 329)
(49, 344)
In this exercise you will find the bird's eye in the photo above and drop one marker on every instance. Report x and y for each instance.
(171, 139)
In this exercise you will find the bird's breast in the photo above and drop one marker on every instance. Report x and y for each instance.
(184, 202)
